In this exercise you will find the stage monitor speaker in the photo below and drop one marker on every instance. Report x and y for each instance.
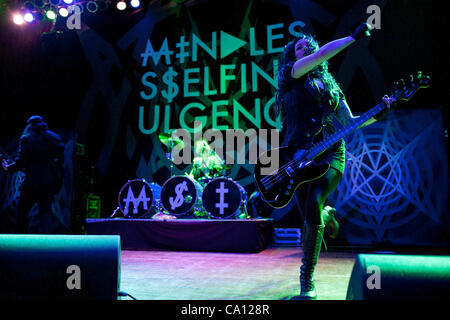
(399, 277)
(60, 267)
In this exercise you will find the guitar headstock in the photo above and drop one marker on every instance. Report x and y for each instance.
(404, 90)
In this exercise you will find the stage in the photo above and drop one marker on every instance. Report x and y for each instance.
(224, 235)
(271, 274)
(227, 259)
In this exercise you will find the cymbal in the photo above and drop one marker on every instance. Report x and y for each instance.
(166, 139)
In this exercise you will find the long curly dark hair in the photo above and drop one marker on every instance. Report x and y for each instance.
(320, 72)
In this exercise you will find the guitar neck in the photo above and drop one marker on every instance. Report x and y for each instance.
(330, 140)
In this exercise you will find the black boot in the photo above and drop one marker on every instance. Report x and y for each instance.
(311, 243)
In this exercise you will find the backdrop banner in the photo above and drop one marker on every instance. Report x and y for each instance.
(117, 80)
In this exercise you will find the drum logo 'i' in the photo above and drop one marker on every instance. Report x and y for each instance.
(221, 191)
(130, 198)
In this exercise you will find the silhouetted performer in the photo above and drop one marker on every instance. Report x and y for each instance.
(313, 105)
(40, 157)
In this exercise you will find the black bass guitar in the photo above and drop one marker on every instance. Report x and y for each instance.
(278, 187)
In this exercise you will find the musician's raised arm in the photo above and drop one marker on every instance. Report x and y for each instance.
(308, 61)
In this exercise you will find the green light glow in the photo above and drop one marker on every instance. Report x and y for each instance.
(51, 15)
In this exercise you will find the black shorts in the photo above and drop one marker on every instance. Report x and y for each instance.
(335, 156)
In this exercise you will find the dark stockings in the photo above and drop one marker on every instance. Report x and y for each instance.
(312, 196)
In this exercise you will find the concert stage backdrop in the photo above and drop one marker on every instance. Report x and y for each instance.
(113, 83)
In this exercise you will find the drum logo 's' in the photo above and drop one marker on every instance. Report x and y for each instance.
(130, 198)
(221, 191)
(179, 189)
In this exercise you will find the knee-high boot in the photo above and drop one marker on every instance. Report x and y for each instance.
(311, 243)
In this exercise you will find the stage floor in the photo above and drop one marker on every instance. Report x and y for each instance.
(271, 274)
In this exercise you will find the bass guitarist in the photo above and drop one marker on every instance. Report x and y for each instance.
(313, 107)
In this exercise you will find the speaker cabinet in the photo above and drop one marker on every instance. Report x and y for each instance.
(394, 277)
(43, 267)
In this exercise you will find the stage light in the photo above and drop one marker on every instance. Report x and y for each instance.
(18, 19)
(54, 2)
(63, 12)
(121, 5)
(135, 3)
(51, 14)
(92, 7)
(68, 1)
(28, 17)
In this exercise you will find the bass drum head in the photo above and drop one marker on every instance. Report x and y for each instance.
(222, 198)
(135, 198)
(179, 195)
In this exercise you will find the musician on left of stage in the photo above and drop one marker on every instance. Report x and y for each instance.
(40, 156)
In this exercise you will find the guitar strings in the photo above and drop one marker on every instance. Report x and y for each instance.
(279, 177)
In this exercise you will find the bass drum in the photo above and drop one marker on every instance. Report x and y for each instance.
(181, 195)
(138, 198)
(223, 198)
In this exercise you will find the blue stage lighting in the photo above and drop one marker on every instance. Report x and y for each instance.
(92, 7)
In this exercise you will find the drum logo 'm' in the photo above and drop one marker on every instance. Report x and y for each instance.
(130, 198)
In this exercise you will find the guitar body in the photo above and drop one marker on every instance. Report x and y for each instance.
(277, 189)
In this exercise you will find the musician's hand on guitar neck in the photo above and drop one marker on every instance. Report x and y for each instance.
(387, 101)
(5, 165)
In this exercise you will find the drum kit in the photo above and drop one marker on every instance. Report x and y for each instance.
(206, 192)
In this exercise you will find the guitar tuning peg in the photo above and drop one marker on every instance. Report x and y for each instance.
(419, 74)
(395, 87)
(411, 79)
(402, 83)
